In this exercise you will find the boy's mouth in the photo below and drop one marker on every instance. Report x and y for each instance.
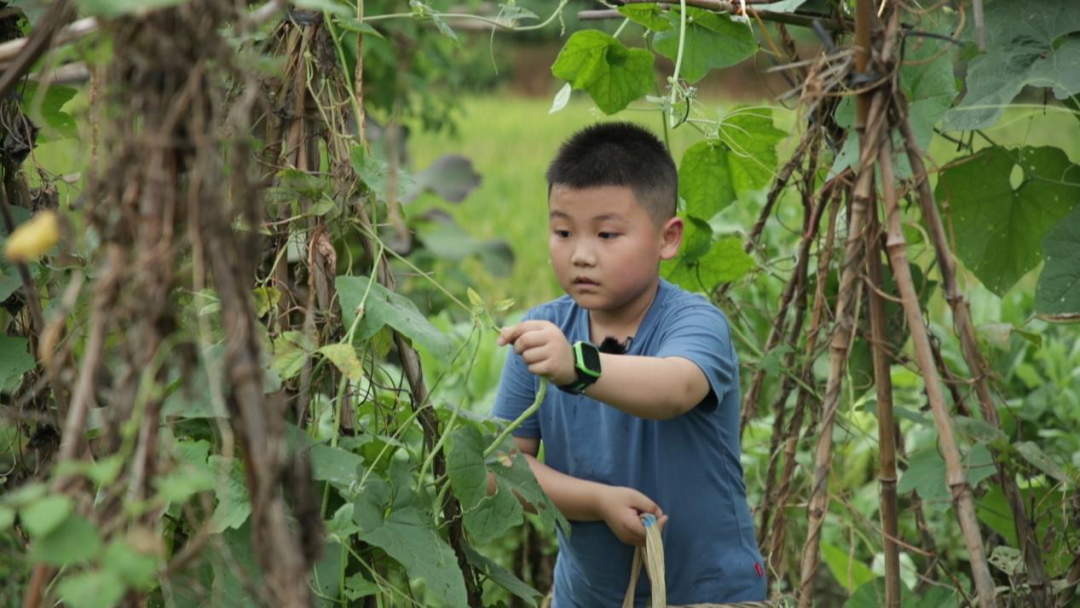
(584, 281)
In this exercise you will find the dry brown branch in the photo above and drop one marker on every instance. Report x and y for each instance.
(1036, 571)
(886, 424)
(870, 112)
(791, 438)
(956, 478)
(25, 55)
(779, 406)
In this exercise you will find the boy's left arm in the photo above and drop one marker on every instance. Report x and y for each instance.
(654, 388)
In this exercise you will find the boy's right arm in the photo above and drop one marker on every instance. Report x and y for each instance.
(582, 500)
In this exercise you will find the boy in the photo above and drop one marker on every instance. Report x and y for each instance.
(650, 424)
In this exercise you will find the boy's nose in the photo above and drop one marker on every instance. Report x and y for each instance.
(582, 256)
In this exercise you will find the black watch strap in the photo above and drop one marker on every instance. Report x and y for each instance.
(587, 365)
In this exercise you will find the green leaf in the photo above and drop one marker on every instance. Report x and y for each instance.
(7, 517)
(713, 172)
(1057, 295)
(407, 536)
(979, 464)
(354, 25)
(93, 589)
(266, 299)
(851, 573)
(330, 6)
(335, 465)
(117, 8)
(927, 79)
(25, 494)
(1008, 560)
(42, 517)
(343, 356)
(712, 41)
(135, 569)
(697, 238)
(725, 262)
(705, 180)
(869, 595)
(514, 12)
(15, 359)
(611, 73)
(646, 15)
(751, 138)
(291, 350)
(451, 176)
(999, 228)
(234, 504)
(76, 540)
(1027, 45)
(377, 175)
(341, 526)
(475, 299)
(51, 109)
(9, 282)
(1039, 459)
(980, 431)
(384, 307)
(356, 587)
(925, 473)
(178, 486)
(503, 577)
(489, 517)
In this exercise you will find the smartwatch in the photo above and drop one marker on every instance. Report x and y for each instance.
(587, 365)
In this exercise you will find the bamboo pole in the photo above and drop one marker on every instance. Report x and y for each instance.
(886, 423)
(869, 121)
(896, 245)
(1036, 571)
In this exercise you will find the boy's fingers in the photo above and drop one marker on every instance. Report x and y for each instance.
(510, 334)
(529, 340)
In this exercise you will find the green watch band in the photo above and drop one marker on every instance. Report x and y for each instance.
(587, 365)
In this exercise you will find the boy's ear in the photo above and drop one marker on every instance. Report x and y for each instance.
(671, 234)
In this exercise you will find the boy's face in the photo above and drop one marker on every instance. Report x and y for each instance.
(605, 247)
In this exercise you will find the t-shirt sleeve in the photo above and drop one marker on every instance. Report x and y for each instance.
(701, 334)
(517, 390)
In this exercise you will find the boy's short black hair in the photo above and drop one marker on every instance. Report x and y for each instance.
(619, 154)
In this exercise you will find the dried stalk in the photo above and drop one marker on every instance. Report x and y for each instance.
(791, 439)
(811, 225)
(1036, 571)
(886, 423)
(896, 245)
(869, 121)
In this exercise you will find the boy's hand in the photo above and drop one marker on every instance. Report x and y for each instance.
(621, 509)
(544, 348)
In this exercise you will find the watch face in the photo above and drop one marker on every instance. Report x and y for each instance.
(590, 357)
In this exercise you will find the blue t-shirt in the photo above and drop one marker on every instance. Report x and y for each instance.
(688, 465)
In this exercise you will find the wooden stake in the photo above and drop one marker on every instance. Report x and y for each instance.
(869, 120)
(896, 245)
(969, 344)
(886, 423)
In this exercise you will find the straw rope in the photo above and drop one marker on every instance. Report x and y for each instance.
(652, 556)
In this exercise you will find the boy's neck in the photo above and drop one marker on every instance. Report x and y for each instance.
(624, 322)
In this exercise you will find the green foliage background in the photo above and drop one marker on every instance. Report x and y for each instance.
(1008, 177)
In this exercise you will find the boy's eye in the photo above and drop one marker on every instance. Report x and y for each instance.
(608, 235)
(562, 234)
